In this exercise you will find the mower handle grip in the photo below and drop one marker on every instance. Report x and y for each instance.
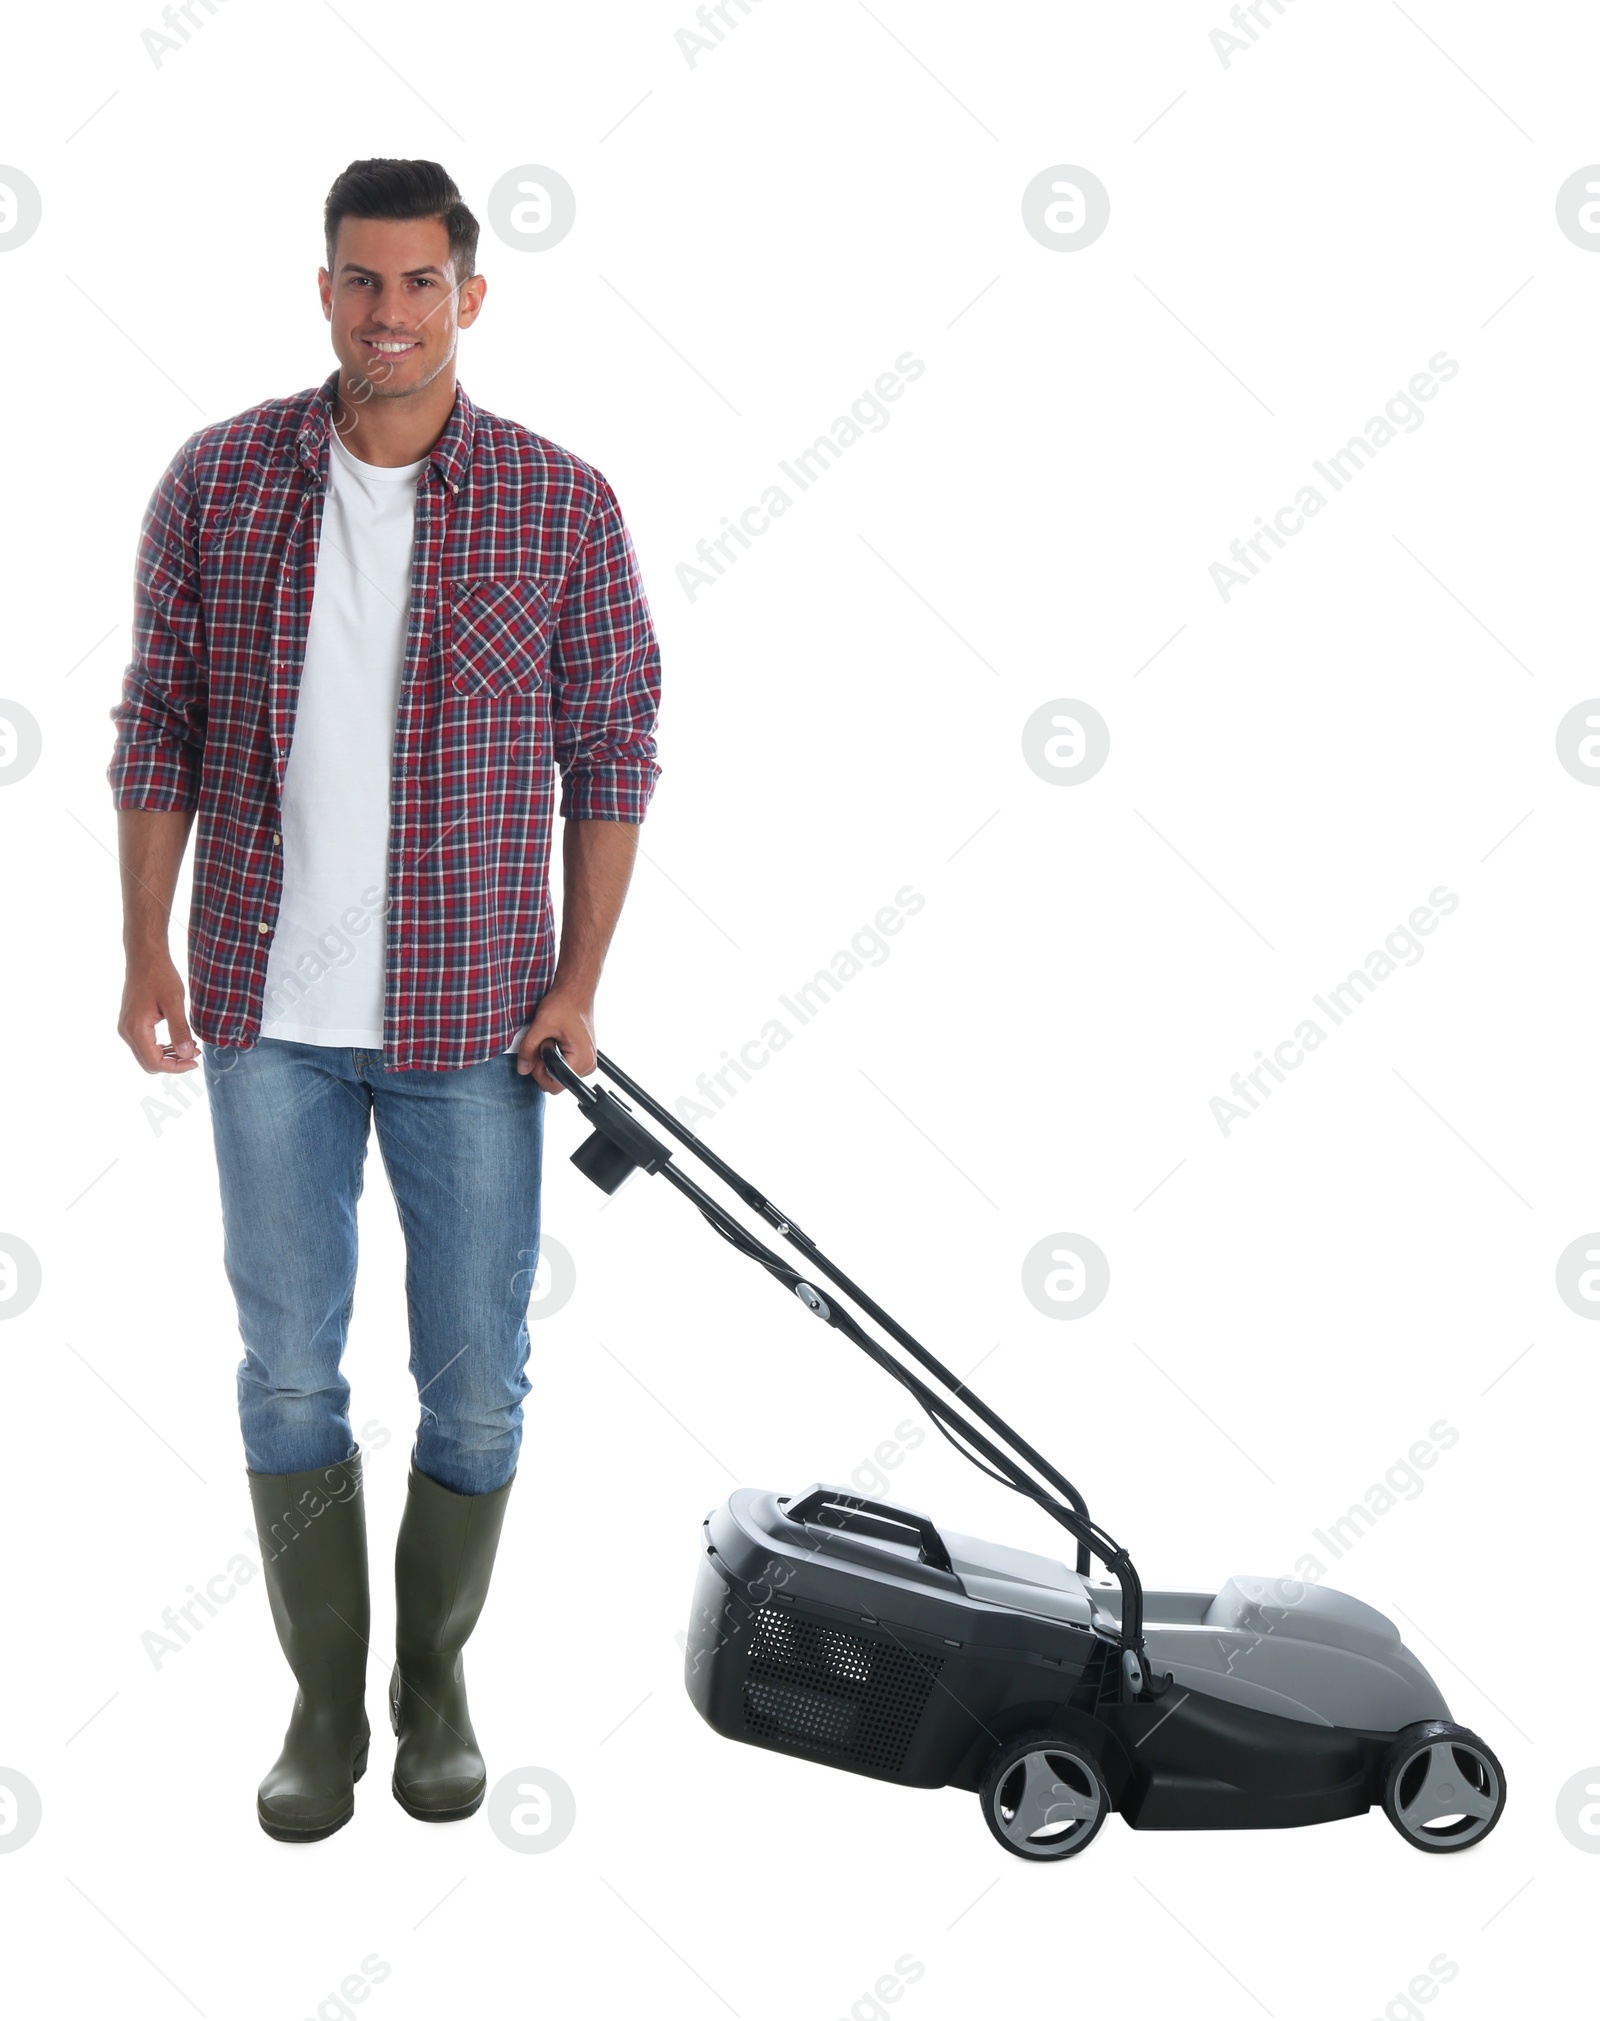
(556, 1065)
(932, 1545)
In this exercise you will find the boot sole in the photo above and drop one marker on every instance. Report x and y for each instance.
(298, 1835)
(436, 1817)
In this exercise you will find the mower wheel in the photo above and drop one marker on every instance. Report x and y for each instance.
(1044, 1797)
(1443, 1789)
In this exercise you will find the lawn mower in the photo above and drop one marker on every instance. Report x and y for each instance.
(858, 1634)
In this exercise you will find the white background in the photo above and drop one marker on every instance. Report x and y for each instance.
(759, 234)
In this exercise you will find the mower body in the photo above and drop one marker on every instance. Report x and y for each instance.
(854, 1651)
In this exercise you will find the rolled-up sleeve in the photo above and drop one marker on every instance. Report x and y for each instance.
(605, 677)
(161, 718)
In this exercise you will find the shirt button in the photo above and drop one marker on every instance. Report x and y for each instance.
(276, 840)
(263, 927)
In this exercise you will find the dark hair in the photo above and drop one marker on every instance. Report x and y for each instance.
(403, 189)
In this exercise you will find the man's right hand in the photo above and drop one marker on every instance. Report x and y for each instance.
(150, 845)
(154, 990)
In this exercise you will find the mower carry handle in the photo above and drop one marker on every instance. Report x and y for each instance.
(881, 1515)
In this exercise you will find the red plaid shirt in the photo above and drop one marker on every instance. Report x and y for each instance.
(529, 647)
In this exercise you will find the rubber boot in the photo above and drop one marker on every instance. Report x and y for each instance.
(442, 1565)
(312, 1530)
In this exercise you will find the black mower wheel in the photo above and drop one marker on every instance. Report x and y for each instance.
(1044, 1797)
(1443, 1789)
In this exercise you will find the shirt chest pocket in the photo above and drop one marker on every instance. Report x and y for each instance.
(497, 635)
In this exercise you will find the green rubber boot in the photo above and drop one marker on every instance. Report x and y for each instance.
(442, 1564)
(312, 1529)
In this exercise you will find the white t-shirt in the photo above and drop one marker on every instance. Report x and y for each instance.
(325, 967)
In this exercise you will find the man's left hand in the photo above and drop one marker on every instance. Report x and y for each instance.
(567, 1019)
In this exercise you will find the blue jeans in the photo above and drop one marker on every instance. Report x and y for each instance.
(462, 1149)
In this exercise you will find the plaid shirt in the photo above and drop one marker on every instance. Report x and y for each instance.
(529, 646)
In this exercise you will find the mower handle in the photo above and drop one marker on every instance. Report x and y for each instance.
(621, 1145)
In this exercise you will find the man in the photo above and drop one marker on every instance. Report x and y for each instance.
(372, 621)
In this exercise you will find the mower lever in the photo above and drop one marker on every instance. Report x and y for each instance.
(619, 1145)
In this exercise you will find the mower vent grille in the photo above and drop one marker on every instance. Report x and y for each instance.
(832, 1692)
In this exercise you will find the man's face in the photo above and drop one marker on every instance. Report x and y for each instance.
(393, 306)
